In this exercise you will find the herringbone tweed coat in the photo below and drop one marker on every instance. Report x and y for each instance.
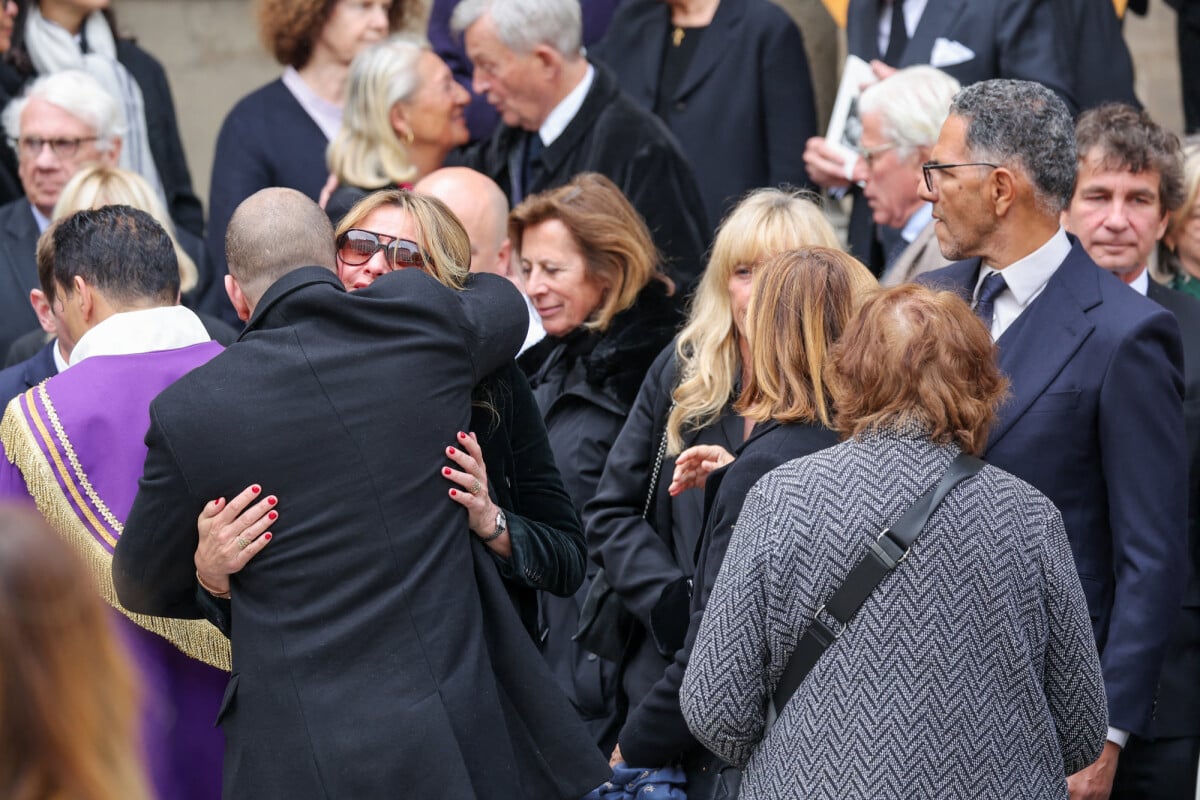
(970, 672)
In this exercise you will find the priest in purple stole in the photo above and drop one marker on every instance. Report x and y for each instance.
(74, 444)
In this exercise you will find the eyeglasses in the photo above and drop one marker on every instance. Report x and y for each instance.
(869, 154)
(929, 166)
(31, 146)
(356, 246)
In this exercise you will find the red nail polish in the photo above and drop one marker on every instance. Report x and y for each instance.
(220, 501)
(454, 493)
(256, 488)
(272, 500)
(462, 436)
(273, 515)
(446, 471)
(450, 450)
(266, 537)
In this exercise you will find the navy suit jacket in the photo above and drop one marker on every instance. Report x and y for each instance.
(26, 374)
(1095, 422)
(18, 270)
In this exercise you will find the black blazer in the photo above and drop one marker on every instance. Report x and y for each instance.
(745, 106)
(655, 732)
(18, 270)
(24, 375)
(1177, 712)
(613, 136)
(361, 665)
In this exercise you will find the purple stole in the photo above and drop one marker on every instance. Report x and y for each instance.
(75, 443)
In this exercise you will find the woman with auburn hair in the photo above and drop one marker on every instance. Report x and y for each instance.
(978, 637)
(647, 545)
(403, 116)
(68, 703)
(802, 301)
(277, 135)
(592, 273)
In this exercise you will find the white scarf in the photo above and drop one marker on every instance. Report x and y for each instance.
(52, 48)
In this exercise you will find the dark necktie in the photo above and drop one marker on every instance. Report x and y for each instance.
(531, 166)
(898, 39)
(985, 306)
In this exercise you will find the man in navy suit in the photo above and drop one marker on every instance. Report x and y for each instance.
(1130, 180)
(1095, 416)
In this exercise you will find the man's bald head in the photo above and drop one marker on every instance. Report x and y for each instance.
(273, 232)
(481, 207)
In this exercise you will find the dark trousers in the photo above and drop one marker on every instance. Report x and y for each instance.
(1157, 769)
(1188, 33)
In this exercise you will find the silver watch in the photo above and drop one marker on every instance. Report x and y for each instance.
(501, 527)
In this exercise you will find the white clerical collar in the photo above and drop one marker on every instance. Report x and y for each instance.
(558, 119)
(917, 222)
(1027, 277)
(327, 115)
(143, 331)
(60, 362)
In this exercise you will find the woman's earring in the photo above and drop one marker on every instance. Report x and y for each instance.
(408, 136)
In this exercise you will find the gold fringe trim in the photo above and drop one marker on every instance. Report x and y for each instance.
(198, 639)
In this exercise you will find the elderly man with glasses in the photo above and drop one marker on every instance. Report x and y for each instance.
(901, 116)
(1095, 415)
(61, 123)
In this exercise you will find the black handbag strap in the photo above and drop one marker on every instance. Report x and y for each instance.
(657, 468)
(885, 554)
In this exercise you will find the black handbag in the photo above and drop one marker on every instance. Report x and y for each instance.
(606, 626)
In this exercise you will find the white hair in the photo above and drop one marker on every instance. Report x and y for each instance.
(522, 25)
(78, 94)
(912, 104)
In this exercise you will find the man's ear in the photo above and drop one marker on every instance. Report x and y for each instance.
(236, 296)
(112, 156)
(41, 307)
(549, 60)
(504, 264)
(83, 294)
(1002, 190)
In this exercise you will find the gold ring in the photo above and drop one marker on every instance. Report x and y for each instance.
(242, 542)
(477, 487)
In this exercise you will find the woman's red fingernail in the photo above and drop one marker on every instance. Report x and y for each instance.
(462, 435)
(446, 471)
(454, 493)
(256, 488)
(266, 537)
(220, 500)
(450, 450)
(272, 515)
(272, 500)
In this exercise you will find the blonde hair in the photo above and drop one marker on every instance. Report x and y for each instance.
(443, 239)
(98, 185)
(801, 302)
(367, 151)
(68, 701)
(609, 232)
(1179, 217)
(765, 222)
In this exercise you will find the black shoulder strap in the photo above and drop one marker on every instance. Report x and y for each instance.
(888, 550)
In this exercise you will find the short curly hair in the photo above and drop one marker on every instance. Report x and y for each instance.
(288, 28)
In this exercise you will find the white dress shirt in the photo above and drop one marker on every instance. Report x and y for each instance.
(560, 117)
(1025, 279)
(913, 9)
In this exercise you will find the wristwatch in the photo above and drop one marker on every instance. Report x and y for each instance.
(501, 527)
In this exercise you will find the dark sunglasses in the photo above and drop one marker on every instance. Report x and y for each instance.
(356, 246)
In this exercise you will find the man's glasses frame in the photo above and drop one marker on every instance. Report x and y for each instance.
(928, 168)
(31, 146)
(357, 245)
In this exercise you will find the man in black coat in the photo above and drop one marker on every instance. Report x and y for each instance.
(364, 663)
(1130, 180)
(563, 115)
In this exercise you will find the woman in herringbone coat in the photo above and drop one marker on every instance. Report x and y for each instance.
(971, 670)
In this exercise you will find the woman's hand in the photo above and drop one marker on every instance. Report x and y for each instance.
(693, 466)
(616, 757)
(331, 185)
(231, 534)
(472, 491)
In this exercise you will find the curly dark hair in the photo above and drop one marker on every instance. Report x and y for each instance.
(288, 28)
